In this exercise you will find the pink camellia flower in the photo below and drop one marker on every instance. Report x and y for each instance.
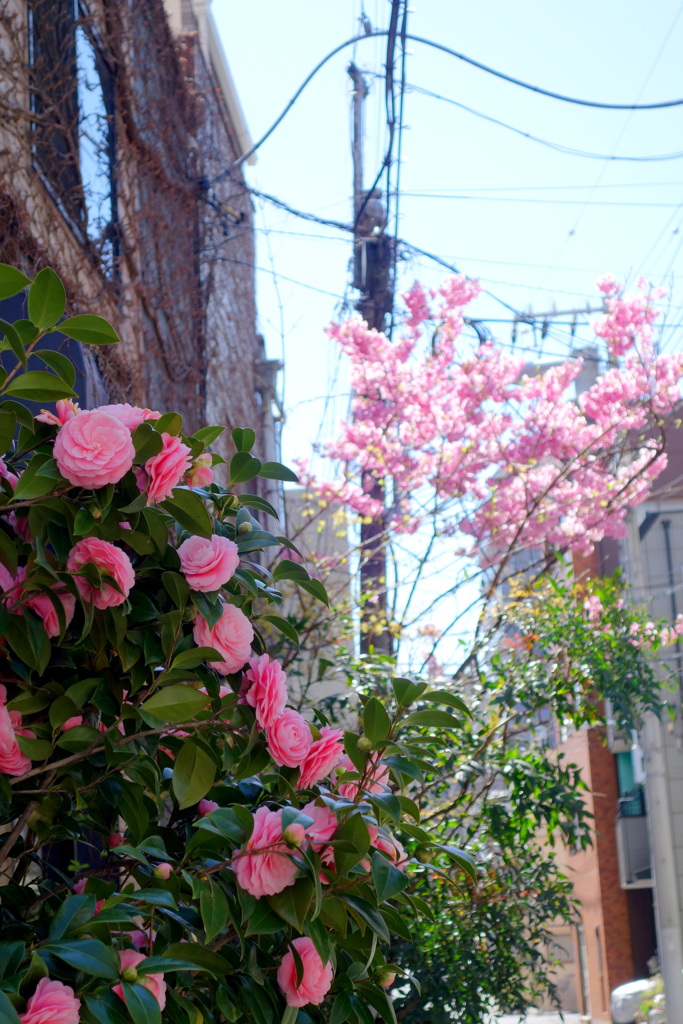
(7, 474)
(205, 807)
(43, 606)
(66, 409)
(20, 526)
(130, 415)
(200, 473)
(376, 782)
(93, 449)
(207, 563)
(289, 739)
(391, 847)
(141, 478)
(11, 586)
(110, 560)
(324, 755)
(167, 469)
(317, 976)
(324, 824)
(264, 867)
(267, 692)
(231, 637)
(154, 982)
(12, 761)
(51, 1003)
(79, 886)
(72, 723)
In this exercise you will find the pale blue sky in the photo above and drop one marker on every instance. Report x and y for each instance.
(521, 250)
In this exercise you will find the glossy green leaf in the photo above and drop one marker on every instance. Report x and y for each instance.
(88, 955)
(37, 750)
(187, 508)
(213, 906)
(194, 773)
(243, 467)
(40, 477)
(89, 330)
(142, 1005)
(194, 657)
(406, 691)
(204, 958)
(294, 903)
(39, 386)
(46, 299)
(8, 1015)
(430, 720)
(316, 589)
(446, 697)
(174, 703)
(207, 435)
(254, 501)
(286, 569)
(8, 423)
(284, 626)
(355, 832)
(276, 471)
(62, 366)
(12, 281)
(389, 881)
(74, 912)
(341, 1009)
(14, 341)
(368, 913)
(243, 438)
(376, 721)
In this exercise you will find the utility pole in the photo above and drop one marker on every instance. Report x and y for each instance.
(372, 261)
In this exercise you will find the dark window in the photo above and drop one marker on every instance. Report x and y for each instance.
(72, 98)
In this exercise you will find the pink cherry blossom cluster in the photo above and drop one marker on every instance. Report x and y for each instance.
(528, 465)
(628, 319)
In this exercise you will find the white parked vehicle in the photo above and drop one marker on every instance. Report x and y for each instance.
(626, 1000)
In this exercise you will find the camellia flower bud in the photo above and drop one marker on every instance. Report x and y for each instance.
(129, 974)
(294, 834)
(114, 840)
(244, 528)
(163, 871)
(364, 745)
(423, 855)
(386, 978)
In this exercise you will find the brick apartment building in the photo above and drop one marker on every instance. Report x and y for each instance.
(629, 885)
(115, 115)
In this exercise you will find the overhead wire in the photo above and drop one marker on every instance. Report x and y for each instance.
(626, 123)
(568, 150)
(451, 52)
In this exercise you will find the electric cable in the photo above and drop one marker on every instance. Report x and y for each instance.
(558, 147)
(451, 52)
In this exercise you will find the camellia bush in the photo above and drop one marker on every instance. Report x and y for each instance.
(177, 843)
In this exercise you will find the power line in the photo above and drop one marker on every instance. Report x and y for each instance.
(452, 53)
(548, 202)
(558, 147)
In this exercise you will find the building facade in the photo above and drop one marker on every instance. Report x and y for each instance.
(115, 117)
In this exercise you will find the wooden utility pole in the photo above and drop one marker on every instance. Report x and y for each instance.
(372, 261)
